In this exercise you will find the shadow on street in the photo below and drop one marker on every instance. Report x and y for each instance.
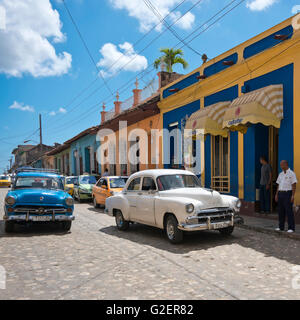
(203, 240)
(32, 230)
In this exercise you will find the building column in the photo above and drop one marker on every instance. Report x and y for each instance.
(241, 158)
(297, 123)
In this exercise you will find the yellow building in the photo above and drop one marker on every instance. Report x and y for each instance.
(246, 103)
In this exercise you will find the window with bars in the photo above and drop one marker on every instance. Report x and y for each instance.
(220, 164)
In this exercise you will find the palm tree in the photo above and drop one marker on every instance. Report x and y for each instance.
(171, 57)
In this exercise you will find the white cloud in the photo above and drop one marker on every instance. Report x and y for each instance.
(186, 22)
(60, 110)
(138, 9)
(26, 44)
(259, 5)
(127, 58)
(20, 106)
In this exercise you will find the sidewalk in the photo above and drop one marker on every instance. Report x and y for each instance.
(267, 226)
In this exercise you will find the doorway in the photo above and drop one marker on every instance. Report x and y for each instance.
(273, 159)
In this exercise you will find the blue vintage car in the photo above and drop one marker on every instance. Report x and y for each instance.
(38, 196)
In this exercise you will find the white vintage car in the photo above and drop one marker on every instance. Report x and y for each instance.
(173, 200)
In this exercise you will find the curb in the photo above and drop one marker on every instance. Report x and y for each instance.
(269, 231)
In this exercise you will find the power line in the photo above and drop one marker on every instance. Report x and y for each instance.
(139, 52)
(86, 47)
(225, 7)
(135, 43)
(168, 26)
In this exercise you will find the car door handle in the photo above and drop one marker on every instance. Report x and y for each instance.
(140, 193)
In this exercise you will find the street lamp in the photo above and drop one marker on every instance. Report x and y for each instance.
(25, 141)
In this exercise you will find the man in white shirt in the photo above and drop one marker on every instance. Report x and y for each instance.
(285, 195)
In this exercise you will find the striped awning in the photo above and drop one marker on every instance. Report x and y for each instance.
(209, 120)
(264, 106)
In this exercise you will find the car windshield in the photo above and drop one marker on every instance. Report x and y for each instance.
(71, 180)
(117, 182)
(177, 181)
(39, 182)
(88, 180)
(3, 178)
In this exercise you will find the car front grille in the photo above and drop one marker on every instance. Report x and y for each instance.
(215, 215)
(39, 209)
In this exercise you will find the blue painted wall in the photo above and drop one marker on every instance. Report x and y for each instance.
(219, 66)
(224, 95)
(174, 116)
(266, 43)
(186, 82)
(80, 145)
(255, 138)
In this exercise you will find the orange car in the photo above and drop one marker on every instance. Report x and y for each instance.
(106, 187)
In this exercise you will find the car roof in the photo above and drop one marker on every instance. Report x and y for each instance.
(160, 172)
(113, 177)
(38, 174)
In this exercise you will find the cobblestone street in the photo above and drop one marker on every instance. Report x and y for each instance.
(96, 261)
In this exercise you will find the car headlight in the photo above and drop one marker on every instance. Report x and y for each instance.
(189, 208)
(10, 200)
(69, 201)
(238, 203)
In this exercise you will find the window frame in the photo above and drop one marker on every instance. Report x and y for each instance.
(130, 183)
(222, 178)
(148, 177)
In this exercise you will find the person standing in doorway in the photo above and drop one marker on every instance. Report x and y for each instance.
(265, 185)
(285, 196)
(105, 174)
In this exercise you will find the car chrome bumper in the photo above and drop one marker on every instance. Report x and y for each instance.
(209, 225)
(43, 218)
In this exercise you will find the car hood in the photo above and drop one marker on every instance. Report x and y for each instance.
(207, 197)
(35, 195)
(116, 189)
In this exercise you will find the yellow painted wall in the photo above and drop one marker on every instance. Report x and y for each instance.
(284, 53)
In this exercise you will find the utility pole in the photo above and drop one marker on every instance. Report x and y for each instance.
(10, 163)
(41, 136)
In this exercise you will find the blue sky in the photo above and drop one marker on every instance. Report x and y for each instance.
(44, 65)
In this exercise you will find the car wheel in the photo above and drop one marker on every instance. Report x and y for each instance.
(226, 231)
(9, 226)
(173, 233)
(66, 225)
(96, 205)
(121, 223)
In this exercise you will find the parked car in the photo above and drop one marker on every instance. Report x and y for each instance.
(107, 187)
(83, 187)
(173, 200)
(69, 184)
(38, 196)
(5, 181)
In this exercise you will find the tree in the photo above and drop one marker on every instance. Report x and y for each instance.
(171, 57)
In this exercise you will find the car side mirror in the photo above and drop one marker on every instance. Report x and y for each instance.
(152, 191)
